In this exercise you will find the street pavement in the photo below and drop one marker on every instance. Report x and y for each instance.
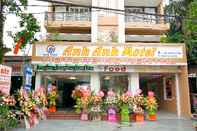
(71, 125)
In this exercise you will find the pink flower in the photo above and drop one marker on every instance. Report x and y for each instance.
(110, 93)
(139, 91)
(128, 93)
(151, 94)
(100, 93)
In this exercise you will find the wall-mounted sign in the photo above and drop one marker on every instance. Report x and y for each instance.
(5, 79)
(115, 68)
(110, 54)
(40, 67)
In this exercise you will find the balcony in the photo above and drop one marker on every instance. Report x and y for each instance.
(68, 22)
(146, 24)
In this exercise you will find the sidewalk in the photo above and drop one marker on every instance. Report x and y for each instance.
(160, 125)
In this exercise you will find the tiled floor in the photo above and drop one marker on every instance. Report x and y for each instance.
(165, 122)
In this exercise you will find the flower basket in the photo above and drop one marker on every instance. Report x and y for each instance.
(152, 117)
(139, 117)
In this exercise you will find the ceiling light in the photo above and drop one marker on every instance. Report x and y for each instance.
(107, 78)
(72, 78)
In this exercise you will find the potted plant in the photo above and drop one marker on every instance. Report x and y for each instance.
(138, 103)
(151, 106)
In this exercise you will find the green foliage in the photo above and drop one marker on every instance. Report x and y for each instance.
(190, 31)
(7, 117)
(184, 29)
(28, 23)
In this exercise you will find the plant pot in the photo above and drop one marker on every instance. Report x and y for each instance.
(139, 117)
(152, 117)
(52, 109)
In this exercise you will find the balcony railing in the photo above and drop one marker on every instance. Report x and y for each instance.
(67, 16)
(147, 18)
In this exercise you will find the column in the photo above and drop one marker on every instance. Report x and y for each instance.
(38, 80)
(133, 82)
(121, 22)
(95, 81)
(185, 105)
(94, 22)
(178, 106)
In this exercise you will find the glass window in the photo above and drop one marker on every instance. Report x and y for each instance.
(168, 86)
(119, 83)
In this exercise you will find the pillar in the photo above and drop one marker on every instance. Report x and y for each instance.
(94, 22)
(38, 80)
(177, 95)
(185, 106)
(121, 22)
(133, 82)
(95, 81)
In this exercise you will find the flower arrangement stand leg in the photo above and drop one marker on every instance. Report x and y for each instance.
(84, 115)
(27, 123)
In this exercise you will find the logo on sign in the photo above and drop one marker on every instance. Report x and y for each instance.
(51, 50)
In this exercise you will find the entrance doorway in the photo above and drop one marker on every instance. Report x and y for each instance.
(65, 84)
(65, 100)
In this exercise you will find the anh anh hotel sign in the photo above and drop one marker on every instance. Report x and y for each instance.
(113, 54)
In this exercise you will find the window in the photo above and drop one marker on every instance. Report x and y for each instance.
(168, 86)
(118, 82)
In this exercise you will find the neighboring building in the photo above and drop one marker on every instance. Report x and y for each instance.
(17, 63)
(108, 49)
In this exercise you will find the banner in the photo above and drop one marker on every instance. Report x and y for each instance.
(28, 77)
(5, 79)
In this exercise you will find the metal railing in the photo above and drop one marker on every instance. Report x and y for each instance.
(147, 18)
(67, 16)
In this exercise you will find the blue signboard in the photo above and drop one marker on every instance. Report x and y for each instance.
(28, 77)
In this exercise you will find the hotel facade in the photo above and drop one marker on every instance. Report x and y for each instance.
(115, 45)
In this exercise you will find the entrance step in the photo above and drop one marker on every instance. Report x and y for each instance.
(62, 115)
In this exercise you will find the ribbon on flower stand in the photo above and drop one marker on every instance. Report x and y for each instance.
(112, 115)
(125, 115)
